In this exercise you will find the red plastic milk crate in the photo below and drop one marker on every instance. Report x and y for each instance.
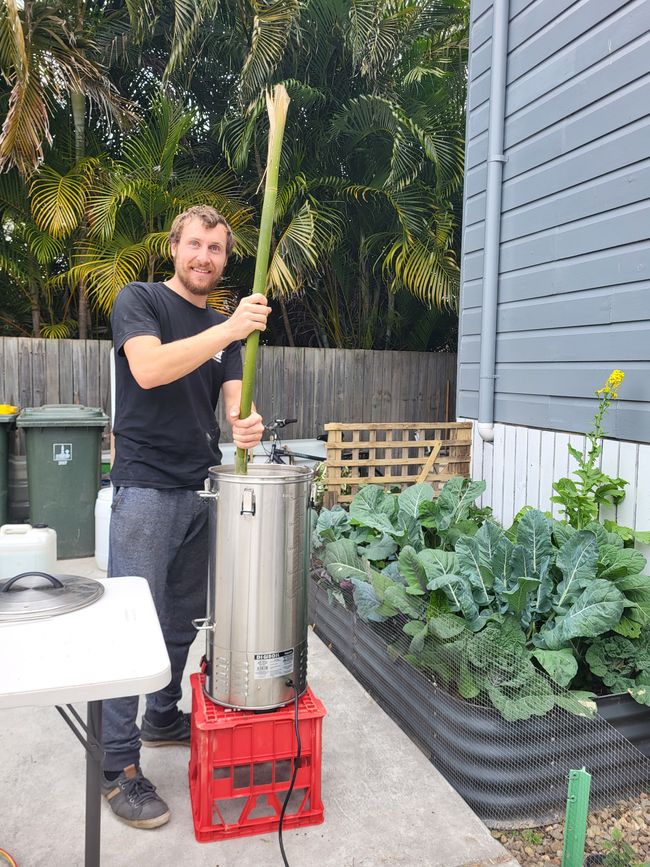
(241, 763)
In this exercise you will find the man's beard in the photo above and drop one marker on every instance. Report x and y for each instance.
(199, 290)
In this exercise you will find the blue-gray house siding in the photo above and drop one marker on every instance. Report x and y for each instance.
(574, 261)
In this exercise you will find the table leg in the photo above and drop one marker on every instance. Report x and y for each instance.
(93, 789)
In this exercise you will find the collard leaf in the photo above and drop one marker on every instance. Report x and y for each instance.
(455, 499)
(342, 561)
(469, 563)
(467, 685)
(577, 561)
(636, 589)
(562, 532)
(520, 563)
(457, 531)
(598, 608)
(330, 526)
(459, 593)
(380, 582)
(641, 690)
(437, 562)
(502, 566)
(470, 492)
(446, 626)
(629, 626)
(409, 531)
(599, 532)
(561, 665)
(392, 570)
(488, 537)
(373, 507)
(519, 596)
(397, 597)
(429, 513)
(365, 601)
(413, 571)
(543, 604)
(525, 705)
(418, 631)
(411, 499)
(617, 562)
(578, 702)
(534, 535)
(380, 549)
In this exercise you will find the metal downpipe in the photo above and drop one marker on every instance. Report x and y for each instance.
(495, 161)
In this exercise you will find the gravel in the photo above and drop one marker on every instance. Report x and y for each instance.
(534, 847)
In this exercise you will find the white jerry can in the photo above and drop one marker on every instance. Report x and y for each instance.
(26, 548)
(103, 505)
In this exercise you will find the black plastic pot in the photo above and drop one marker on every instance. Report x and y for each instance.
(512, 774)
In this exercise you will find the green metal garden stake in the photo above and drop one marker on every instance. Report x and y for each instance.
(277, 106)
(575, 825)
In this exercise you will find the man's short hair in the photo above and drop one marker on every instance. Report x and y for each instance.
(210, 218)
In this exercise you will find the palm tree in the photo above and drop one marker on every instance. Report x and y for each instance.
(29, 257)
(53, 55)
(135, 198)
(373, 155)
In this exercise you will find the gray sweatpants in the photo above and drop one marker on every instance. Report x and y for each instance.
(161, 536)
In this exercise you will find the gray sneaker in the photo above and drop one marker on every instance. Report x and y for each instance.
(177, 732)
(133, 799)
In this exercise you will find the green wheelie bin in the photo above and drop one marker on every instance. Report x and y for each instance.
(63, 446)
(8, 416)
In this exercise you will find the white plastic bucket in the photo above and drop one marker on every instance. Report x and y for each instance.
(102, 524)
(24, 548)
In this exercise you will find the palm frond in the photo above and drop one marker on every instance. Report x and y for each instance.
(152, 146)
(106, 197)
(58, 201)
(293, 254)
(14, 197)
(424, 270)
(314, 231)
(26, 125)
(387, 41)
(272, 24)
(291, 189)
(236, 134)
(189, 15)
(220, 300)
(58, 330)
(44, 247)
(12, 266)
(106, 269)
(13, 52)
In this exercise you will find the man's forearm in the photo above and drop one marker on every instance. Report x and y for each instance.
(153, 363)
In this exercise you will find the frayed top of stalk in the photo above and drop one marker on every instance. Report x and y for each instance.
(277, 104)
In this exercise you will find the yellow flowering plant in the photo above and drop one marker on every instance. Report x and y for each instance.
(581, 500)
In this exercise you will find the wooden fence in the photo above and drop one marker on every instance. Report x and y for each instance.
(315, 386)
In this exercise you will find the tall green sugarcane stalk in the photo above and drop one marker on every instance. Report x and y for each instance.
(276, 106)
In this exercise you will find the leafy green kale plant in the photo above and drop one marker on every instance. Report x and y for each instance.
(487, 611)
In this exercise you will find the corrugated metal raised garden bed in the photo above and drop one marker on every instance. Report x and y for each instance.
(511, 773)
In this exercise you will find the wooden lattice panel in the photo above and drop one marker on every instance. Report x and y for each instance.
(394, 454)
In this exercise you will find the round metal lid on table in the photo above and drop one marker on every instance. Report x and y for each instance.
(36, 595)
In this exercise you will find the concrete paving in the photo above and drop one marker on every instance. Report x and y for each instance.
(385, 804)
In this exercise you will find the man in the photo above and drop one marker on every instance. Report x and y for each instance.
(173, 356)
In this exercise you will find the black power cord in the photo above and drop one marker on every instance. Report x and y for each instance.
(296, 765)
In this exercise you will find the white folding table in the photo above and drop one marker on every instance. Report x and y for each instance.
(111, 648)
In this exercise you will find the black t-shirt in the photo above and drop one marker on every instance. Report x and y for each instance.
(168, 436)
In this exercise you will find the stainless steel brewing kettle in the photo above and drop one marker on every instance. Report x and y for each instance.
(256, 626)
